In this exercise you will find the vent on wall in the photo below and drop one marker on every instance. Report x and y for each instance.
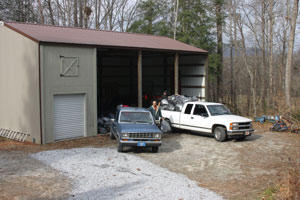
(69, 66)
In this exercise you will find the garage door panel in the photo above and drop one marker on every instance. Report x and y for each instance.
(68, 116)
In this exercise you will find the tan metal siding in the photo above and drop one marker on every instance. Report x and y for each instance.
(19, 84)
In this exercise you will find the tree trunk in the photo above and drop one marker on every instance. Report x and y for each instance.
(271, 74)
(175, 16)
(99, 14)
(41, 12)
(219, 20)
(264, 67)
(85, 15)
(80, 14)
(250, 73)
(96, 14)
(50, 12)
(290, 54)
(75, 13)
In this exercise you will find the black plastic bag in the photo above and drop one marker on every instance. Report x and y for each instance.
(164, 102)
(165, 127)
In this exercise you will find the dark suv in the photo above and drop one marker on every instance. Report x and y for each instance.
(135, 127)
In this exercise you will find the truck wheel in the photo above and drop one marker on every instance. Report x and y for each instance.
(154, 149)
(220, 134)
(120, 147)
(111, 135)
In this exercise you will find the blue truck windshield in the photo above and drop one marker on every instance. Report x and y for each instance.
(136, 117)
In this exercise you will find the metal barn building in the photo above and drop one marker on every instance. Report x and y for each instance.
(56, 81)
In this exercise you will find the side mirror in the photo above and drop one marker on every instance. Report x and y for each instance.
(204, 114)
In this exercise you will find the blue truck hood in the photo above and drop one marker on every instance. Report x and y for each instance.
(139, 128)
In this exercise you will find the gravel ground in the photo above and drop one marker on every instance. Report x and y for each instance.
(103, 173)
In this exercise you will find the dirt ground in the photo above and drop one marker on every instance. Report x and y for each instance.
(235, 170)
(22, 177)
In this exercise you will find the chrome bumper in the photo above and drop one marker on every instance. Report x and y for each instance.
(134, 143)
(239, 132)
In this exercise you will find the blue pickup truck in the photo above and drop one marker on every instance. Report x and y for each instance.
(135, 127)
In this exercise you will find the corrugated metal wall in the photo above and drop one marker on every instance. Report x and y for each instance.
(192, 75)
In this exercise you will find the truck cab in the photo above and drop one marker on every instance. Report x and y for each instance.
(212, 118)
(135, 127)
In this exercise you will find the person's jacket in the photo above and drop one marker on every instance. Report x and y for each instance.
(155, 113)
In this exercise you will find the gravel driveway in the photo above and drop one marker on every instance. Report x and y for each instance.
(102, 173)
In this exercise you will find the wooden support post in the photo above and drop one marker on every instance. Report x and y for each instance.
(176, 78)
(140, 82)
(206, 78)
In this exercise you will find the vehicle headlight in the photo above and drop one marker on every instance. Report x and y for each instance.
(125, 135)
(234, 126)
(156, 135)
(251, 125)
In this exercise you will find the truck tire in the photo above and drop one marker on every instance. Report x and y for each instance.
(111, 135)
(120, 147)
(220, 133)
(154, 149)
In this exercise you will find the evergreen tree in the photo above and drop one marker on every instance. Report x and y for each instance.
(152, 18)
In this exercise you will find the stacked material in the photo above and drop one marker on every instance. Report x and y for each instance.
(104, 124)
(175, 102)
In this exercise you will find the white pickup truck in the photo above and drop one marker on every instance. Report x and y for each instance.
(212, 118)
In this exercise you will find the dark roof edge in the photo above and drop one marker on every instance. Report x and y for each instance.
(201, 51)
(86, 29)
(21, 32)
(124, 47)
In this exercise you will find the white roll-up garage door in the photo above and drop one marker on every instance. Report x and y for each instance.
(68, 116)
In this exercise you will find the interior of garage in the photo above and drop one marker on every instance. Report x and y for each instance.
(117, 77)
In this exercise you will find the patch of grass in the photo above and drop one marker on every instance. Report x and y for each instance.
(270, 192)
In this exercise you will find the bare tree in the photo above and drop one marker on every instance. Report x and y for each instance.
(290, 53)
(271, 25)
(219, 23)
(176, 5)
(50, 12)
(80, 14)
(75, 13)
(41, 12)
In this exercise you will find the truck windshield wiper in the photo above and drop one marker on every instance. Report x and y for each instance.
(143, 122)
(126, 121)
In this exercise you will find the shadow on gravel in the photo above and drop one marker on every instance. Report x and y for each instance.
(253, 137)
(170, 143)
(107, 192)
(250, 138)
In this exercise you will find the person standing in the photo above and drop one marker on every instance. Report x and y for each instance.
(155, 110)
(165, 95)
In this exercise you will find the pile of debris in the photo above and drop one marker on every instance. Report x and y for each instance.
(175, 102)
(104, 123)
(280, 123)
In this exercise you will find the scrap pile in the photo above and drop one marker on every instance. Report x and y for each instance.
(280, 123)
(175, 102)
(104, 123)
